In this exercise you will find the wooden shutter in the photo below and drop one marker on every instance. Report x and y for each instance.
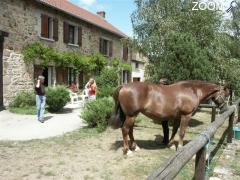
(55, 29)
(100, 45)
(65, 32)
(65, 76)
(125, 53)
(110, 48)
(80, 36)
(44, 26)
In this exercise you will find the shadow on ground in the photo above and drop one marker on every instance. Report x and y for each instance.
(47, 118)
(64, 111)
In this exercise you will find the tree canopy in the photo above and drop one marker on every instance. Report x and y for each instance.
(185, 44)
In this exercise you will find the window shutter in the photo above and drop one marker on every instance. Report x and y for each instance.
(100, 45)
(80, 36)
(55, 29)
(44, 26)
(65, 32)
(110, 48)
(125, 53)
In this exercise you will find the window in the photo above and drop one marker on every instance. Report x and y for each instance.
(125, 76)
(136, 65)
(105, 47)
(72, 34)
(47, 72)
(125, 53)
(71, 76)
(49, 27)
(61, 75)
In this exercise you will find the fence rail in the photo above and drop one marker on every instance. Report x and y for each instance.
(197, 146)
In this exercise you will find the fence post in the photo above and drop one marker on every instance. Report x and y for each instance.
(200, 163)
(230, 128)
(213, 113)
(238, 108)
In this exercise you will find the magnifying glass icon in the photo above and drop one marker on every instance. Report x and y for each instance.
(233, 4)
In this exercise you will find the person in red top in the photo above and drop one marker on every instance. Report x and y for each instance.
(73, 87)
(92, 89)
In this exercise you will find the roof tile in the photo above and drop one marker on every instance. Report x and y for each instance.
(72, 9)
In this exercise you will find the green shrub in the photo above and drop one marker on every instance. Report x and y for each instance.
(107, 82)
(105, 91)
(97, 113)
(57, 98)
(23, 99)
(108, 77)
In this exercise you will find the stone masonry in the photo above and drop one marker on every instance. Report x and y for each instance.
(21, 19)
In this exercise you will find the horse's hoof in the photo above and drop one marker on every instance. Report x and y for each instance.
(129, 153)
(179, 147)
(173, 147)
(137, 149)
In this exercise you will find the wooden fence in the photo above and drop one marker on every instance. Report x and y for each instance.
(198, 147)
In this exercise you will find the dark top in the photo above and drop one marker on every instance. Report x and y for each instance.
(41, 90)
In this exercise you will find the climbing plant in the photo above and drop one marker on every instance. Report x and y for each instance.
(79, 62)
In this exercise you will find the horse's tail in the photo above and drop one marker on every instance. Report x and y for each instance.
(118, 118)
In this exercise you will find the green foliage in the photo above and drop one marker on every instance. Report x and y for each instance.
(182, 59)
(117, 64)
(80, 62)
(107, 82)
(97, 113)
(23, 99)
(105, 91)
(98, 62)
(185, 44)
(108, 77)
(57, 98)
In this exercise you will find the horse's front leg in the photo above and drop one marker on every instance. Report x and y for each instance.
(183, 125)
(176, 124)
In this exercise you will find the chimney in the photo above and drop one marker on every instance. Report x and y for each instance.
(101, 13)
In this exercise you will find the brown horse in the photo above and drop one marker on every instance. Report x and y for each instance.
(177, 101)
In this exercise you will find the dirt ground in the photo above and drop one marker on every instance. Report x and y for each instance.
(86, 154)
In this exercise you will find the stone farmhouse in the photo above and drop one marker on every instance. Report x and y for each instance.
(54, 23)
(138, 63)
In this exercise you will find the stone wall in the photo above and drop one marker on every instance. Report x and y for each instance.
(21, 19)
(17, 76)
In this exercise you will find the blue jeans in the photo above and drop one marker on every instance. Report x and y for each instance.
(40, 103)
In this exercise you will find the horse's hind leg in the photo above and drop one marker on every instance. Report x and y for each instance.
(133, 144)
(165, 132)
(127, 129)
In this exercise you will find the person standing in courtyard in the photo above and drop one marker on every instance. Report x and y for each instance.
(92, 89)
(40, 98)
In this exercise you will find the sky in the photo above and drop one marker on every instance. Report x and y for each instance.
(118, 12)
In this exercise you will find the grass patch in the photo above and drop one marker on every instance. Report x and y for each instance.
(235, 164)
(28, 110)
(49, 173)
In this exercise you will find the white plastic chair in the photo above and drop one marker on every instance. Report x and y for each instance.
(74, 97)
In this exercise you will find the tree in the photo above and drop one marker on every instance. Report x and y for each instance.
(185, 44)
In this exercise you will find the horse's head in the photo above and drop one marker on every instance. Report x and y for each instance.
(221, 97)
